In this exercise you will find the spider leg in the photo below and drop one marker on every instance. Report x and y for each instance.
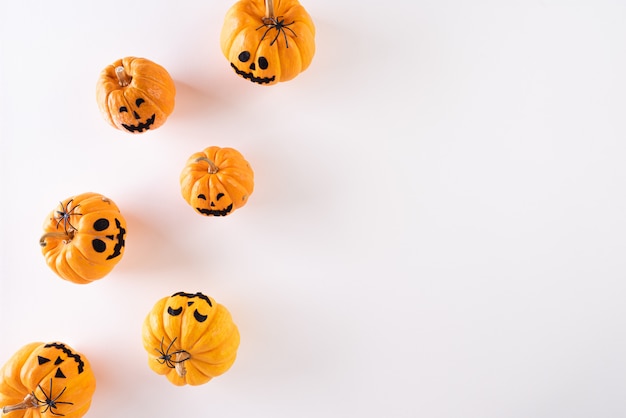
(269, 27)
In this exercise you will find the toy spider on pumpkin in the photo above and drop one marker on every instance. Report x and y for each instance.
(249, 49)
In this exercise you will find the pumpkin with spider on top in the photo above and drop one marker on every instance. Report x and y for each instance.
(84, 238)
(190, 338)
(43, 380)
(268, 41)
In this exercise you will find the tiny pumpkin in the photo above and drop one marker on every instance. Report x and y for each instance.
(267, 41)
(135, 94)
(42, 380)
(190, 338)
(84, 237)
(216, 181)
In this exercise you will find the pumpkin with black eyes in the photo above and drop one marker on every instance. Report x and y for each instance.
(43, 380)
(135, 94)
(216, 181)
(267, 41)
(84, 237)
(190, 338)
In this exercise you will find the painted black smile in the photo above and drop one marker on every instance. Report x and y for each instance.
(117, 250)
(249, 76)
(141, 126)
(216, 212)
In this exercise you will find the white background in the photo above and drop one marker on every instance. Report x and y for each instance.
(438, 224)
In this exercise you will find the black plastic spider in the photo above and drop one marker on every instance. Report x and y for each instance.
(280, 26)
(64, 215)
(166, 357)
(49, 402)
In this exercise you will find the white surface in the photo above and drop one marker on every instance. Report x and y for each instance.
(438, 224)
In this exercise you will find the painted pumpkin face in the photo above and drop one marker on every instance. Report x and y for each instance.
(84, 238)
(47, 379)
(217, 181)
(135, 95)
(190, 338)
(265, 42)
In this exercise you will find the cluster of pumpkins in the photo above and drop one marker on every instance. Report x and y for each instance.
(189, 337)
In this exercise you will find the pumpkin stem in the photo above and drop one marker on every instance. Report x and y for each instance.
(69, 236)
(29, 402)
(212, 167)
(179, 362)
(122, 77)
(269, 12)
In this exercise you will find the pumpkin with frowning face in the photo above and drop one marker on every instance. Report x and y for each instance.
(268, 41)
(135, 94)
(44, 380)
(216, 181)
(190, 338)
(84, 238)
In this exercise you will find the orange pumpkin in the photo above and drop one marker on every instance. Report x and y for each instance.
(268, 41)
(84, 238)
(135, 94)
(43, 380)
(216, 181)
(190, 338)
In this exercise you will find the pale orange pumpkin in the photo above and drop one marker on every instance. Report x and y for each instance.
(190, 338)
(216, 181)
(268, 41)
(135, 94)
(44, 380)
(84, 237)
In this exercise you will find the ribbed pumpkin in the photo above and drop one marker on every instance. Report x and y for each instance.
(84, 237)
(268, 41)
(135, 94)
(216, 181)
(43, 380)
(190, 338)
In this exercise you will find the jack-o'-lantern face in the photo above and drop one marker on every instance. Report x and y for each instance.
(57, 360)
(104, 235)
(135, 115)
(194, 307)
(268, 43)
(214, 201)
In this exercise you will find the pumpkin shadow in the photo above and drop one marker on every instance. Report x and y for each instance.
(149, 248)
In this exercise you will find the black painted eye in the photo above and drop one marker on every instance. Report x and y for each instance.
(101, 224)
(219, 196)
(263, 64)
(139, 101)
(201, 196)
(174, 312)
(244, 56)
(123, 109)
(199, 317)
(42, 360)
(98, 245)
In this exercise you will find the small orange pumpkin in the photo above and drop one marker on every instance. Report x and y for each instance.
(268, 41)
(84, 238)
(135, 94)
(216, 181)
(190, 338)
(42, 380)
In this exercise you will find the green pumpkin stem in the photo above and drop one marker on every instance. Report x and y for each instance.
(269, 12)
(212, 167)
(29, 402)
(122, 77)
